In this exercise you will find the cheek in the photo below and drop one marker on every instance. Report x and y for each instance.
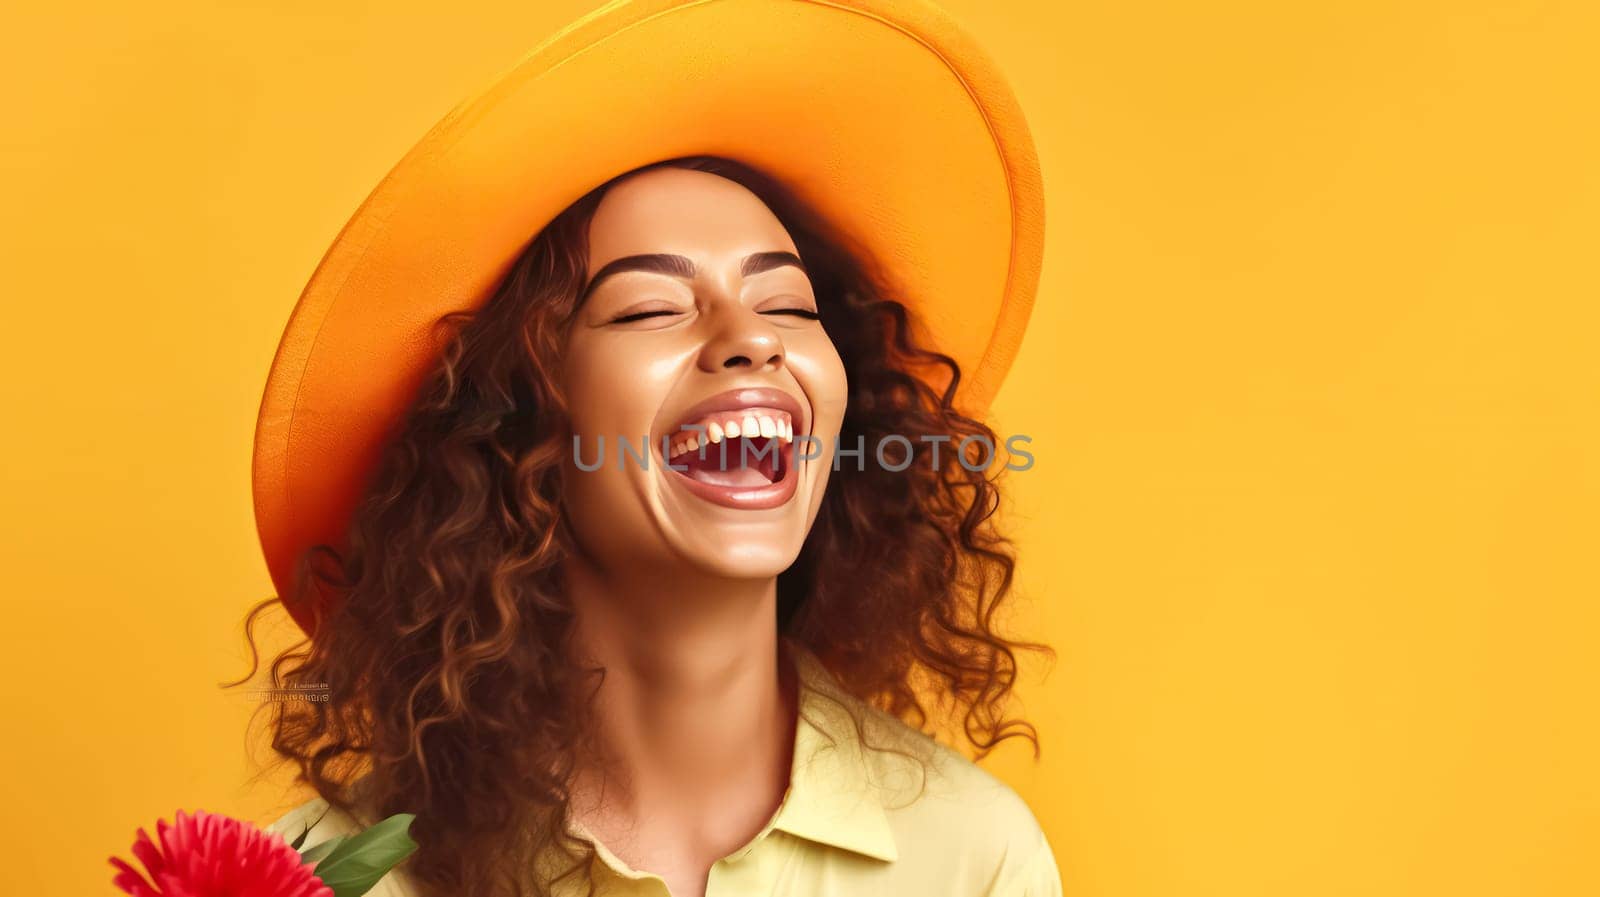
(604, 405)
(614, 386)
(820, 372)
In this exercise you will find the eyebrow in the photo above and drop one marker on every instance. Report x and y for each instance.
(683, 267)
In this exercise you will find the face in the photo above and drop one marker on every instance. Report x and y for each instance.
(699, 331)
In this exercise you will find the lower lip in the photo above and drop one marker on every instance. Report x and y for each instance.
(751, 498)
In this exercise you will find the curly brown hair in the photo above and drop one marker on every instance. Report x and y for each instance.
(441, 629)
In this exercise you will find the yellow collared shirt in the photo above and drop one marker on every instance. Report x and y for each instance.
(880, 810)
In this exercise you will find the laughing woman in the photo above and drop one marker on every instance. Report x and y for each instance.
(643, 571)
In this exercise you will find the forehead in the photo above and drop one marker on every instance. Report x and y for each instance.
(683, 212)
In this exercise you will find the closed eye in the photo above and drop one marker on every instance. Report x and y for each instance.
(797, 312)
(641, 315)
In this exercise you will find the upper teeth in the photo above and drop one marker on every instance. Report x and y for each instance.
(747, 422)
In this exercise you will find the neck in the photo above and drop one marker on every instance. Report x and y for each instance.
(695, 710)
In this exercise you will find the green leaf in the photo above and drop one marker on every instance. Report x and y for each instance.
(352, 868)
(321, 851)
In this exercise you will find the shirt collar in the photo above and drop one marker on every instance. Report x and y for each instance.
(832, 797)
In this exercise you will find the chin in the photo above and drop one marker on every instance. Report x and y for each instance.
(740, 551)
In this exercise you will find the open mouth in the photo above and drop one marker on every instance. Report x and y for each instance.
(746, 449)
(737, 449)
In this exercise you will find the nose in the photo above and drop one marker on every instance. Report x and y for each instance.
(742, 340)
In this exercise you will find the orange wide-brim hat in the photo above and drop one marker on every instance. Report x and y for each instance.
(882, 115)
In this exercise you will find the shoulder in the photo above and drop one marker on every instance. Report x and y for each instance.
(320, 821)
(957, 828)
(947, 811)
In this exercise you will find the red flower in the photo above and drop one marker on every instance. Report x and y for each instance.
(207, 855)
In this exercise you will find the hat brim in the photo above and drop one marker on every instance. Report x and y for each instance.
(881, 114)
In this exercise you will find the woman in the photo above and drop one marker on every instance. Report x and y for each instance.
(601, 622)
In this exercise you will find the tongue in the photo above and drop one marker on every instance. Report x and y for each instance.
(741, 477)
(759, 467)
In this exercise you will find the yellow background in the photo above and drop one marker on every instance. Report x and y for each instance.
(1312, 384)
